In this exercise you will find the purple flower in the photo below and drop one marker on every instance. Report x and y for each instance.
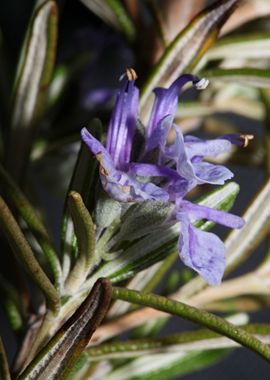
(115, 158)
(166, 172)
(188, 155)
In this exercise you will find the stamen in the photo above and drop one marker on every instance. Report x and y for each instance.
(246, 139)
(201, 84)
(130, 74)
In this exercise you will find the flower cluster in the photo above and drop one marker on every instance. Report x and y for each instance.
(159, 171)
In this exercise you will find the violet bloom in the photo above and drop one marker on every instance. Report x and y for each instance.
(166, 172)
(185, 154)
(114, 159)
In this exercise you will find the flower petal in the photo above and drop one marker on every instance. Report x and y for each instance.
(94, 145)
(117, 184)
(151, 170)
(166, 100)
(211, 148)
(197, 212)
(195, 172)
(159, 135)
(122, 124)
(209, 173)
(124, 188)
(177, 153)
(202, 251)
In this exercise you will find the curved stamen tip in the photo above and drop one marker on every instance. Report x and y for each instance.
(246, 139)
(130, 74)
(201, 84)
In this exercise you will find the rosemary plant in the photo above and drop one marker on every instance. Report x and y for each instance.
(140, 179)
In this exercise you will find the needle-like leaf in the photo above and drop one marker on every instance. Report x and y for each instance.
(193, 314)
(86, 238)
(23, 251)
(185, 341)
(27, 212)
(188, 47)
(248, 76)
(32, 80)
(248, 46)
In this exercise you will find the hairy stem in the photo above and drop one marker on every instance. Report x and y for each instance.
(193, 314)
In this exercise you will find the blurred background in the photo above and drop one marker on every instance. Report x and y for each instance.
(96, 56)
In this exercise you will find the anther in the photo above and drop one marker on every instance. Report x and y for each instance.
(246, 139)
(130, 74)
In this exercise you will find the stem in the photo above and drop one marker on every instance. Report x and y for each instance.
(23, 250)
(193, 314)
(37, 228)
(187, 341)
(4, 368)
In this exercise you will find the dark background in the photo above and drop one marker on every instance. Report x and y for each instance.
(76, 19)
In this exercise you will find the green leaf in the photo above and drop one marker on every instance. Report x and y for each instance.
(23, 251)
(186, 341)
(27, 212)
(187, 48)
(59, 356)
(113, 13)
(247, 76)
(142, 219)
(201, 317)
(32, 81)
(162, 242)
(107, 210)
(86, 238)
(247, 46)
